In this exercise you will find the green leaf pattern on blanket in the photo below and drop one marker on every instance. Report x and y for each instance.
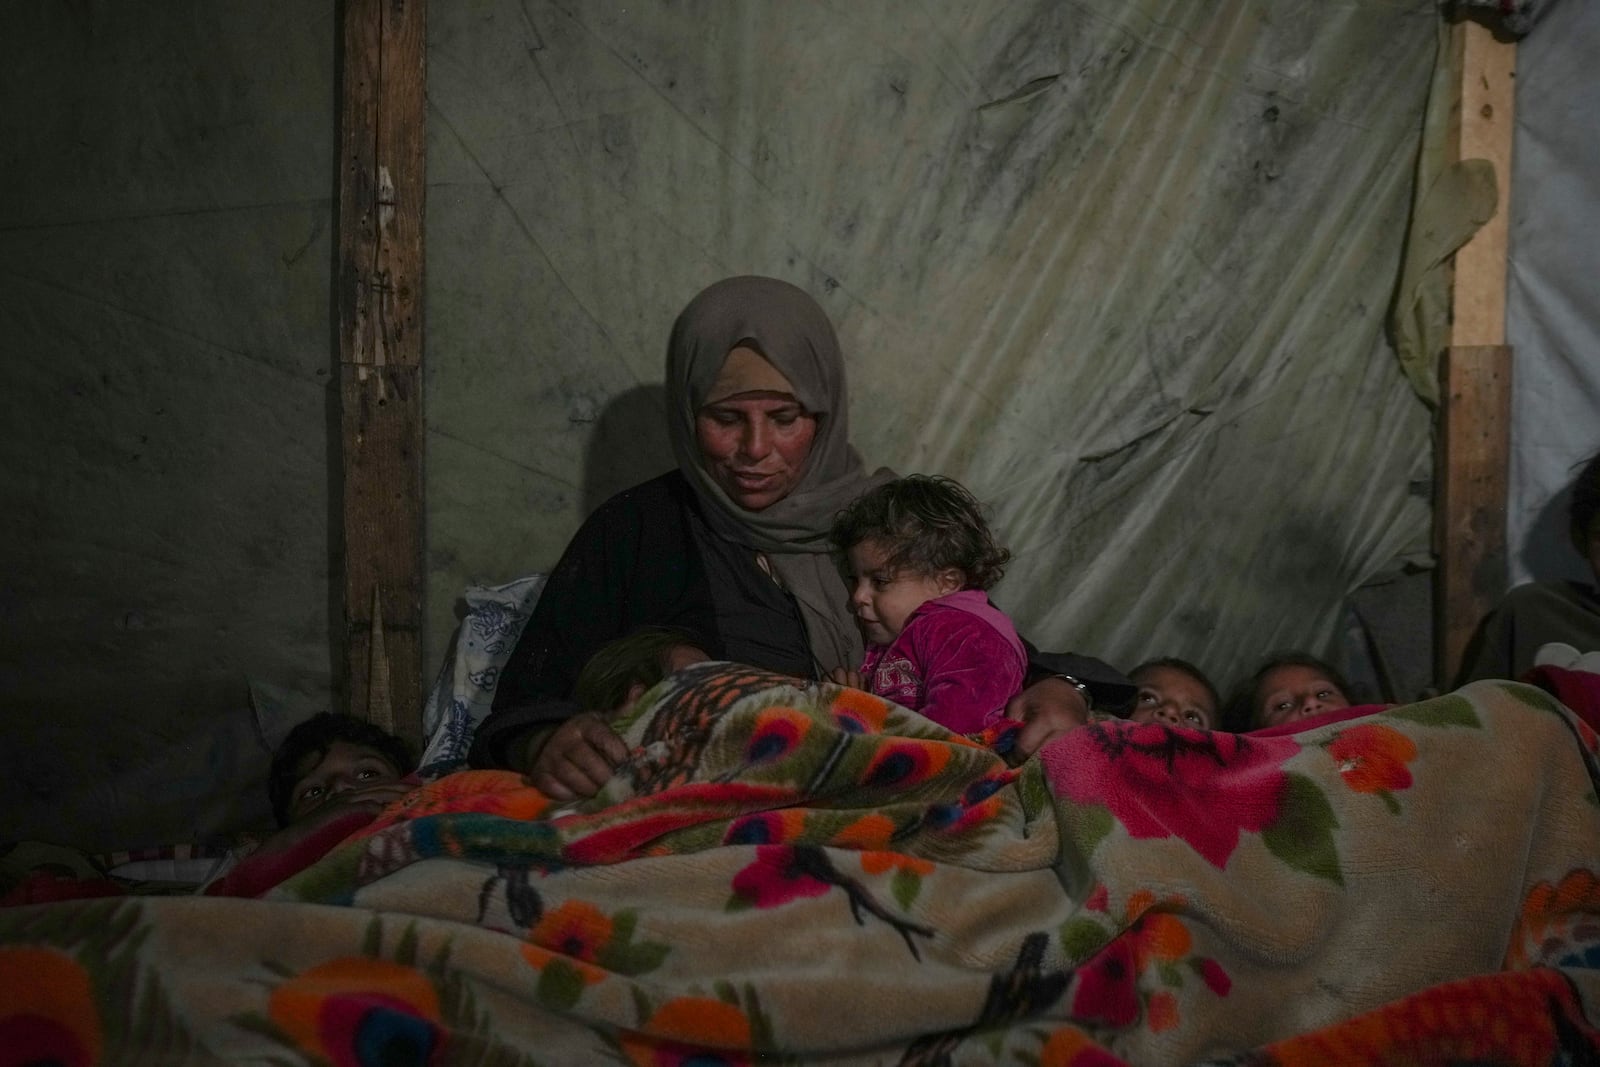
(1302, 836)
(1448, 710)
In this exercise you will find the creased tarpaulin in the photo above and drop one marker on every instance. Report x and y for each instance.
(1551, 319)
(1121, 268)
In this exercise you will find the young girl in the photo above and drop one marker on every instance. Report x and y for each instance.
(920, 556)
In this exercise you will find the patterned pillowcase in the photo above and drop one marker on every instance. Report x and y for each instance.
(464, 691)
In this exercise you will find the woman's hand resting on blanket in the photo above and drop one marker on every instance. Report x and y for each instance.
(573, 760)
(576, 758)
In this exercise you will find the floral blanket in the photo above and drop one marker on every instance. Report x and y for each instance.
(810, 875)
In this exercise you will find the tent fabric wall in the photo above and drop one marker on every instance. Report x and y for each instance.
(1551, 318)
(1120, 267)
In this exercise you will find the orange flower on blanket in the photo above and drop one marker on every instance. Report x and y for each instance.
(1559, 925)
(577, 929)
(1372, 758)
(361, 1012)
(502, 793)
(859, 713)
(781, 827)
(777, 732)
(871, 831)
(905, 873)
(691, 1032)
(1069, 1046)
(47, 1013)
(905, 762)
(883, 862)
(1156, 936)
(1161, 1011)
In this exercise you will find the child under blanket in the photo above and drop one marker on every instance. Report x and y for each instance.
(507, 794)
(331, 776)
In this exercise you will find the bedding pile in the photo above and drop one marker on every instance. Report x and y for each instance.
(798, 874)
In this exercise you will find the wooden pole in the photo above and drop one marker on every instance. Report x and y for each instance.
(1474, 440)
(379, 309)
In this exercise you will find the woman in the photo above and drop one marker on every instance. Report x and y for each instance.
(732, 547)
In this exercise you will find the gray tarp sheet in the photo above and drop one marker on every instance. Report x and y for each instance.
(1122, 268)
(1553, 313)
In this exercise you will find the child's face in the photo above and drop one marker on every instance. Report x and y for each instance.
(1172, 696)
(1293, 692)
(342, 767)
(883, 600)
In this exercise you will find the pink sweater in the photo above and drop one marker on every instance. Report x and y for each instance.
(957, 661)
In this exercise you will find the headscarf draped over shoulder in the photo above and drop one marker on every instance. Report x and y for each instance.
(789, 328)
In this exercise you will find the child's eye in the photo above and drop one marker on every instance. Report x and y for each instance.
(366, 773)
(1283, 705)
(1195, 717)
(311, 792)
(1147, 698)
(1324, 694)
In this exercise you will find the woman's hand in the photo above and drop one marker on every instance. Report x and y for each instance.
(1047, 709)
(576, 759)
(845, 676)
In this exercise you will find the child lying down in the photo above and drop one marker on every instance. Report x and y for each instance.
(331, 776)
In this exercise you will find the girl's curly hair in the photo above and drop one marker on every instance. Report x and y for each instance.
(925, 524)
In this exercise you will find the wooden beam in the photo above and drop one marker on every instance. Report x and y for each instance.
(1474, 439)
(1481, 128)
(379, 312)
(1470, 509)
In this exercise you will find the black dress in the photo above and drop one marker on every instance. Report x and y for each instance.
(646, 557)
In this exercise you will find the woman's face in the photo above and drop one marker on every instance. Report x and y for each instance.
(755, 444)
(1293, 692)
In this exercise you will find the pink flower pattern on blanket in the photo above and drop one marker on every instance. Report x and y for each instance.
(1160, 782)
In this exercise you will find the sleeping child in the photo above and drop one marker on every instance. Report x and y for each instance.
(920, 557)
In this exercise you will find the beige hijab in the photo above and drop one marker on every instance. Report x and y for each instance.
(785, 325)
